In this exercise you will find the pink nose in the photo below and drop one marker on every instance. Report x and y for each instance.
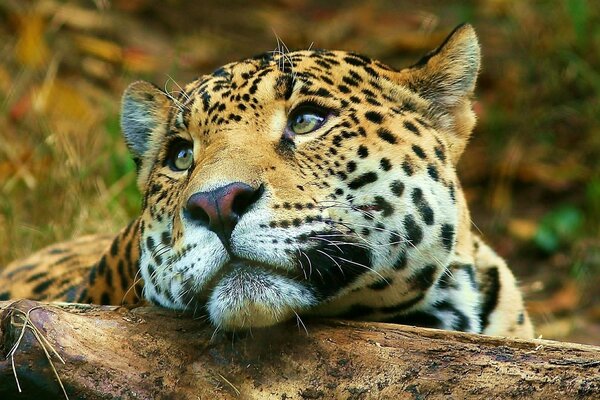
(220, 209)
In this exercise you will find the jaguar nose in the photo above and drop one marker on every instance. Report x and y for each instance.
(220, 209)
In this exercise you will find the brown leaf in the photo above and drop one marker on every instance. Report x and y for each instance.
(100, 48)
(31, 49)
(565, 299)
(521, 228)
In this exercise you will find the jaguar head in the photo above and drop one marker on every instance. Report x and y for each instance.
(283, 183)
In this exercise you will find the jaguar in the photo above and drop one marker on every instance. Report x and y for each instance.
(298, 183)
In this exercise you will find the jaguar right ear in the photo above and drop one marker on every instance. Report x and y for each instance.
(446, 79)
(144, 117)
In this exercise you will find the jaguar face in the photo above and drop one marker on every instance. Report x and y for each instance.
(282, 184)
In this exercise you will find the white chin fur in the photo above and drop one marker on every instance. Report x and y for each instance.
(248, 297)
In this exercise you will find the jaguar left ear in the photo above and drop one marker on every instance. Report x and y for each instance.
(144, 117)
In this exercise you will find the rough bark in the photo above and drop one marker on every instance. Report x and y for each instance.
(149, 353)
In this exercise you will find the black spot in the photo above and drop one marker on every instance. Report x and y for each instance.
(68, 293)
(322, 92)
(386, 207)
(452, 193)
(102, 266)
(447, 234)
(439, 153)
(397, 188)
(414, 233)
(283, 87)
(374, 117)
(362, 152)
(350, 81)
(422, 206)
(344, 89)
(462, 323)
(355, 60)
(92, 275)
(371, 71)
(122, 275)
(386, 135)
(165, 238)
(447, 280)
(411, 127)
(82, 296)
(400, 261)
(424, 278)
(520, 317)
(395, 238)
(405, 305)
(105, 298)
(4, 296)
(150, 243)
(433, 172)
(42, 287)
(351, 167)
(36, 276)
(407, 168)
(334, 268)
(419, 151)
(490, 289)
(468, 268)
(385, 164)
(20, 269)
(362, 180)
(381, 284)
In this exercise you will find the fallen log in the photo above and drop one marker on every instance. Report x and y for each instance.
(99, 352)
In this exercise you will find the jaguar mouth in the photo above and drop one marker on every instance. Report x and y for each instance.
(249, 294)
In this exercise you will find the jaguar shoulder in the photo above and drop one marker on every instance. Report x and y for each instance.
(312, 182)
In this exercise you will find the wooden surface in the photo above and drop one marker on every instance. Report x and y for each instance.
(150, 353)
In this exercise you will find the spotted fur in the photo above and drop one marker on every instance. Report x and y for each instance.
(362, 218)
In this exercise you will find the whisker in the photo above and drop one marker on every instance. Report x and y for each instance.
(332, 259)
(300, 322)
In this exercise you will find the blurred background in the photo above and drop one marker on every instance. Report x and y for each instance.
(531, 172)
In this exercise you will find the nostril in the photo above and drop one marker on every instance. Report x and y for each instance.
(195, 209)
(197, 213)
(246, 198)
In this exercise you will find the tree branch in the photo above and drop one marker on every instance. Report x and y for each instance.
(113, 352)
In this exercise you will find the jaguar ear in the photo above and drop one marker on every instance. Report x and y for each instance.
(446, 78)
(144, 117)
(446, 75)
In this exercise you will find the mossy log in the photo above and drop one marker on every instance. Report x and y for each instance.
(99, 352)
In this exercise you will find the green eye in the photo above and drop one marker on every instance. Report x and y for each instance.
(306, 119)
(305, 123)
(181, 156)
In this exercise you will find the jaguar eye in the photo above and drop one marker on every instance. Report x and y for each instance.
(307, 119)
(181, 156)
